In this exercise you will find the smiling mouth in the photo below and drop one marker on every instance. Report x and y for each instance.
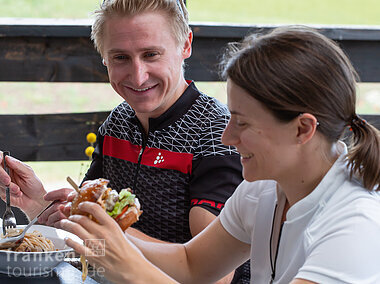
(246, 156)
(143, 89)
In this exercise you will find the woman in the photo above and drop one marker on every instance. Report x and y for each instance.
(308, 210)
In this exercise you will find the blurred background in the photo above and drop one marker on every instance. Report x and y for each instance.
(33, 98)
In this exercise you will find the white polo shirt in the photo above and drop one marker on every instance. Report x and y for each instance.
(330, 236)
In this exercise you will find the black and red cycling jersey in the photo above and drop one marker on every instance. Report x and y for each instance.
(179, 164)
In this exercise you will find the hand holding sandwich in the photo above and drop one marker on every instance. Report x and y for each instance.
(100, 220)
(123, 207)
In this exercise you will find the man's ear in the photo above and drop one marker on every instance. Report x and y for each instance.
(307, 125)
(186, 52)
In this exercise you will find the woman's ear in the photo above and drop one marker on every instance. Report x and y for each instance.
(307, 125)
(104, 62)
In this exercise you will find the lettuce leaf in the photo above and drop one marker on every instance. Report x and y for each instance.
(125, 198)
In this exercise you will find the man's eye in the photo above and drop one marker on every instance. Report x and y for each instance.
(151, 54)
(120, 57)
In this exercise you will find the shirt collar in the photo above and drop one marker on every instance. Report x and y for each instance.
(177, 110)
(333, 179)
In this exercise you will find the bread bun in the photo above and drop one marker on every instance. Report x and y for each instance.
(98, 192)
(129, 218)
(92, 191)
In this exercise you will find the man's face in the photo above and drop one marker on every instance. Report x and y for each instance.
(144, 62)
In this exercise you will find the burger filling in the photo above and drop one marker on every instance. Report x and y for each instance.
(112, 198)
(117, 204)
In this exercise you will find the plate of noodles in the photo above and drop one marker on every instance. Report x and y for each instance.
(43, 249)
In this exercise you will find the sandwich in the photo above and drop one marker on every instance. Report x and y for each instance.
(123, 207)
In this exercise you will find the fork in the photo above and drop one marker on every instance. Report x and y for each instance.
(9, 220)
(15, 241)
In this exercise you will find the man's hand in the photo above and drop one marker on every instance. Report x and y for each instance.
(60, 210)
(25, 187)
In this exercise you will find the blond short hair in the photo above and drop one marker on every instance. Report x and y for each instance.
(174, 9)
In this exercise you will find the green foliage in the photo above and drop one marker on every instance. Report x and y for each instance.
(355, 12)
(53, 174)
(37, 97)
(48, 8)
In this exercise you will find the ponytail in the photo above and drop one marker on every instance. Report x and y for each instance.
(364, 153)
(294, 70)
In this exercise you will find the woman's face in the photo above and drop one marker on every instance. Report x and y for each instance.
(267, 147)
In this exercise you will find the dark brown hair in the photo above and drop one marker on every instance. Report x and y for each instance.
(294, 70)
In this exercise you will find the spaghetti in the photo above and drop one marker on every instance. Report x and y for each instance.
(33, 242)
(84, 267)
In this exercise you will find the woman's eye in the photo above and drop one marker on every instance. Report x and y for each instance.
(240, 123)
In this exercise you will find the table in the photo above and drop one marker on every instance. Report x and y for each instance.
(64, 273)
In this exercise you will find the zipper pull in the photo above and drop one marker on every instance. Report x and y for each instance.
(140, 155)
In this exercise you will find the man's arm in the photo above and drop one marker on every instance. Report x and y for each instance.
(213, 181)
(25, 187)
(301, 281)
(28, 193)
(199, 219)
(140, 235)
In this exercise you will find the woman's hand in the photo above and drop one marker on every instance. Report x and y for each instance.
(105, 245)
(25, 187)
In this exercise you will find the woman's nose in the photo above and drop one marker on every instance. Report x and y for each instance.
(229, 137)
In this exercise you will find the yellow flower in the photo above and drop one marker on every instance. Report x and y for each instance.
(91, 137)
(89, 150)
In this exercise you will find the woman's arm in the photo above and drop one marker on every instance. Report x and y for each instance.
(207, 257)
(105, 245)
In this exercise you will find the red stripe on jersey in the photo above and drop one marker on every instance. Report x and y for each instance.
(120, 149)
(153, 157)
(209, 202)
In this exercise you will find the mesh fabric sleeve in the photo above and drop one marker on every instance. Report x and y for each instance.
(213, 180)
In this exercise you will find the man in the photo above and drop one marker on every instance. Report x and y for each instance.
(164, 140)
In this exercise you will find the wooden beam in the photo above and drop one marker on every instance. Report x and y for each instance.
(59, 137)
(61, 51)
(48, 137)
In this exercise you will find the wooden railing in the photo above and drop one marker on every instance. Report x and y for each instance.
(61, 51)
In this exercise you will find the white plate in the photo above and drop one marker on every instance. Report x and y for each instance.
(37, 263)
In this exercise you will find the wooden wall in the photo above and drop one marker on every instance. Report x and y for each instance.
(61, 51)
